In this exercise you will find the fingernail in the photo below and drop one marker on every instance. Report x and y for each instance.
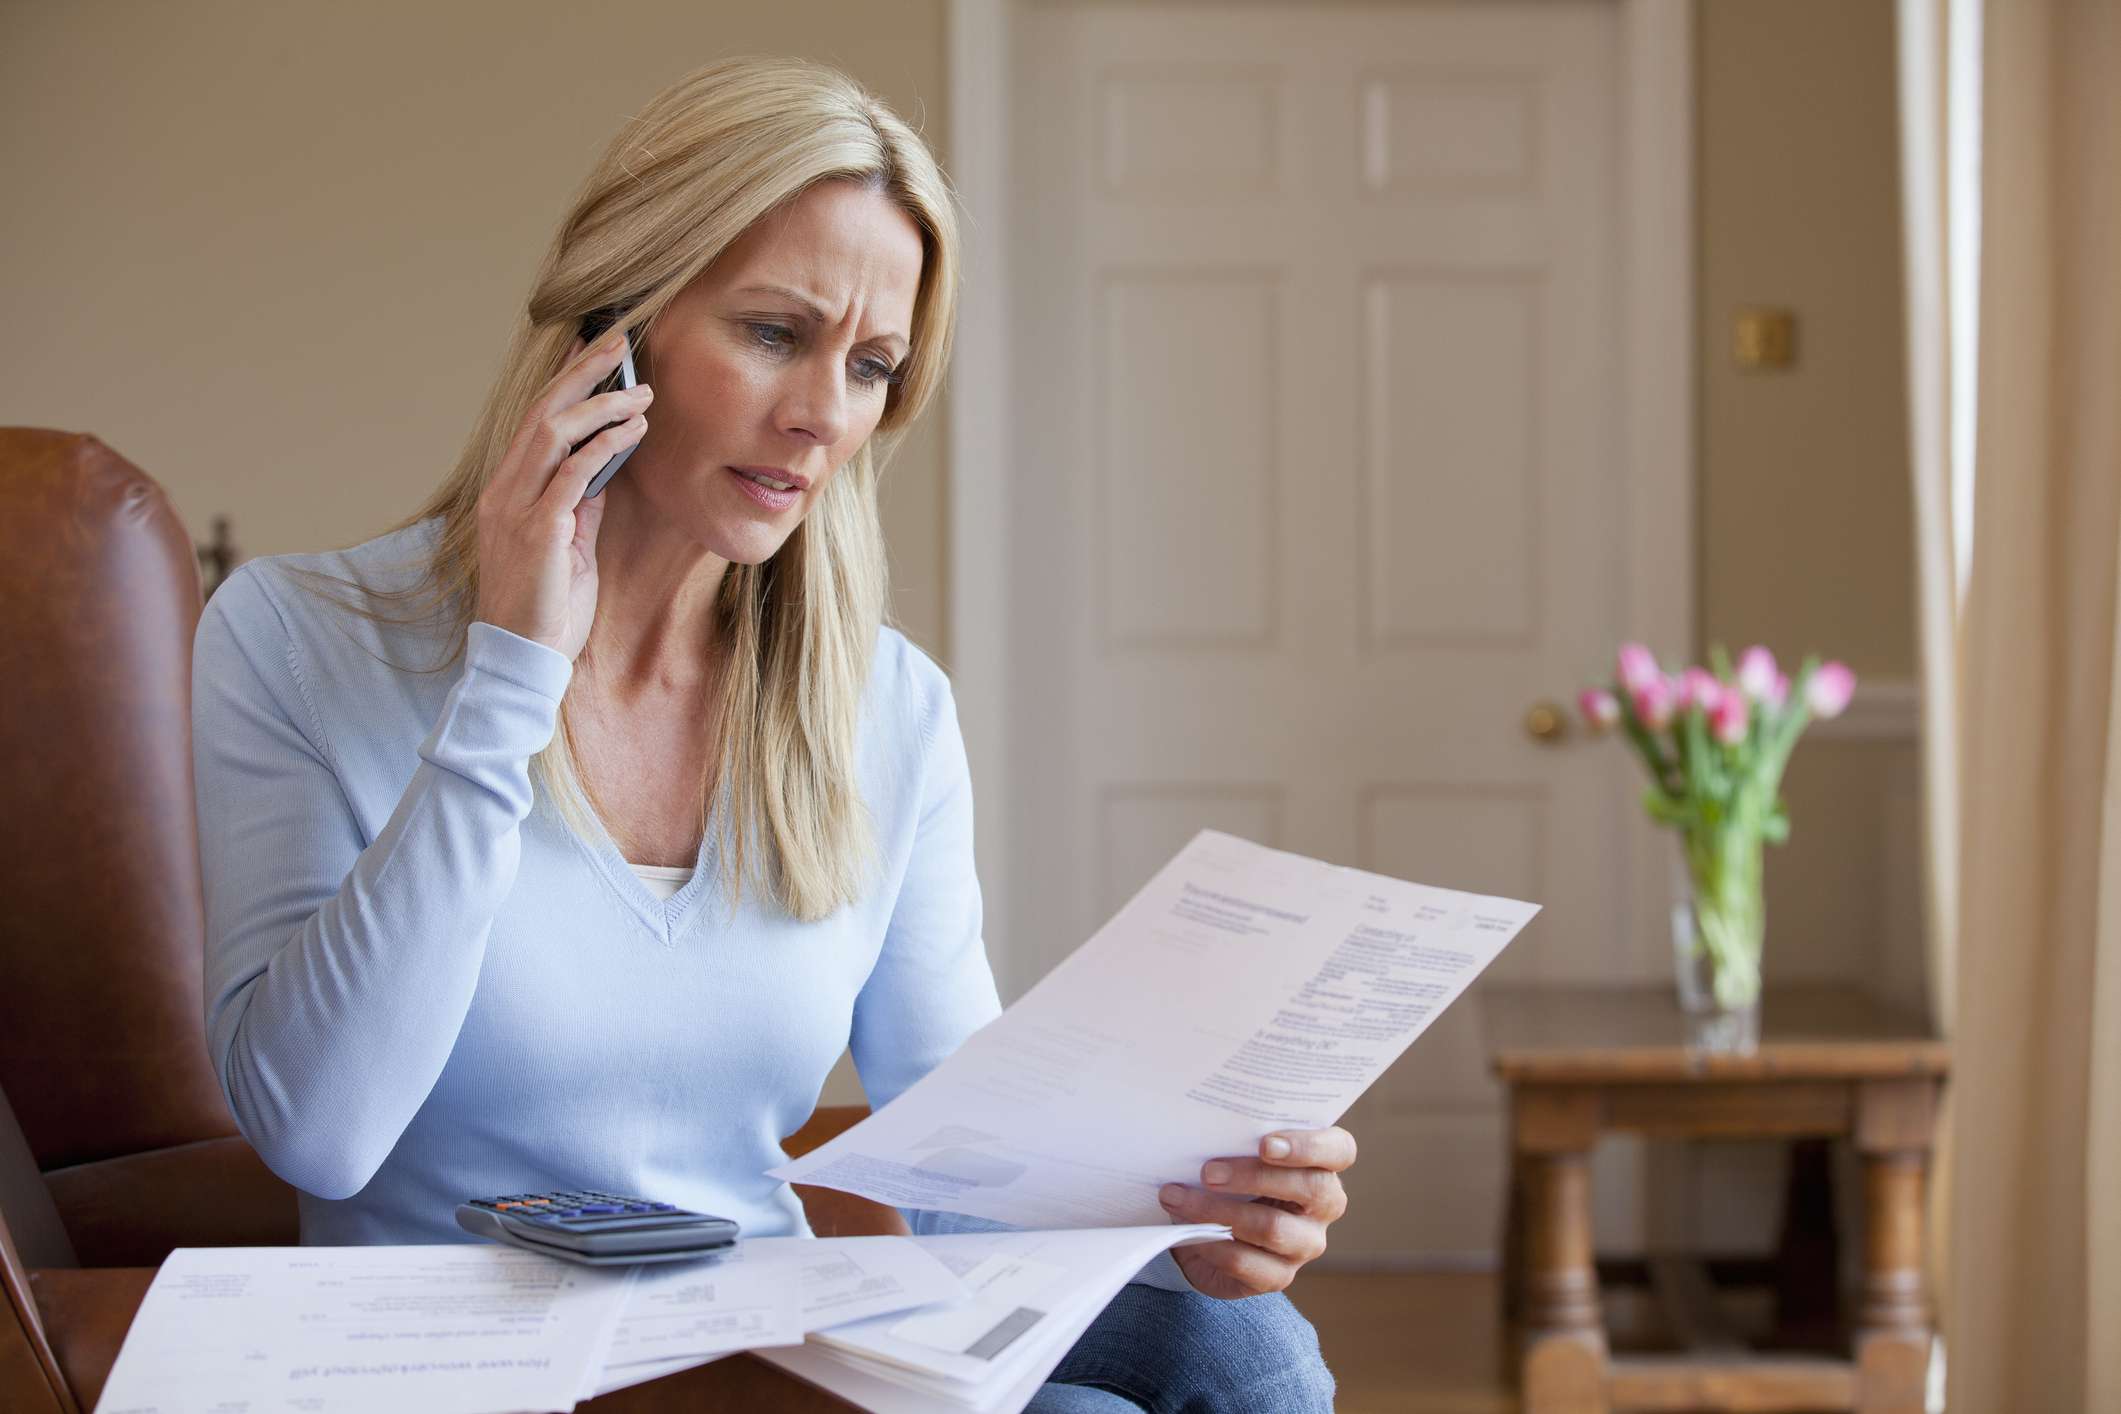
(1216, 1173)
(1170, 1195)
(1276, 1148)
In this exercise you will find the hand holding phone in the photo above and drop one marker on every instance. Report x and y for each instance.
(621, 380)
(537, 530)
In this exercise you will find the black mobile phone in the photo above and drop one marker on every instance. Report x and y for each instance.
(593, 327)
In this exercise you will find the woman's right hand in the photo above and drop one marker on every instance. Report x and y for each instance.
(537, 536)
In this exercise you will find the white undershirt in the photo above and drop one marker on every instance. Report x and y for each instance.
(662, 880)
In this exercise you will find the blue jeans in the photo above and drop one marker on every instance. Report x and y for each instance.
(1179, 1352)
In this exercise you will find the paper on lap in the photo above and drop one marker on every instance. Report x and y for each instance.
(694, 1310)
(449, 1329)
(771, 1291)
(1244, 990)
(843, 1279)
(1037, 1293)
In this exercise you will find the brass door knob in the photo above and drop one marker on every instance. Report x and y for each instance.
(1547, 723)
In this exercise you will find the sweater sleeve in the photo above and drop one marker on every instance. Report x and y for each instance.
(932, 987)
(337, 976)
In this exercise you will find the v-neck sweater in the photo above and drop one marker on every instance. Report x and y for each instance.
(422, 987)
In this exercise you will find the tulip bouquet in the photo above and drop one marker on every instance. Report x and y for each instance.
(1715, 743)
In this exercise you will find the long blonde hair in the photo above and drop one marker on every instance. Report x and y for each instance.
(713, 153)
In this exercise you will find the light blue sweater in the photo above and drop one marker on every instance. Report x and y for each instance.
(421, 987)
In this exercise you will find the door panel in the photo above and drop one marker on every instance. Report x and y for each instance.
(1318, 491)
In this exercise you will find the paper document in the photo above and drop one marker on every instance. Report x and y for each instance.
(842, 1279)
(675, 1319)
(450, 1329)
(693, 1310)
(1034, 1295)
(1242, 991)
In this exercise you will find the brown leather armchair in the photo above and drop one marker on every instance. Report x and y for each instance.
(115, 1143)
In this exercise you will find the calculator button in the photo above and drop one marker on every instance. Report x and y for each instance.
(640, 1207)
(662, 1207)
(602, 1208)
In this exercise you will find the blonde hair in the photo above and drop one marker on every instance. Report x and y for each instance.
(718, 150)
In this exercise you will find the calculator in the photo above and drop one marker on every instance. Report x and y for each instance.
(601, 1229)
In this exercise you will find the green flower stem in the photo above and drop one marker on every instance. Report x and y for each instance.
(1729, 908)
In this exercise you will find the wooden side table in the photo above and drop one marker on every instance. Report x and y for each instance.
(1832, 1062)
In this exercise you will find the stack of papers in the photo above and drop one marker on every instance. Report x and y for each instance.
(968, 1320)
(771, 1291)
(456, 1329)
(1242, 991)
(1031, 1295)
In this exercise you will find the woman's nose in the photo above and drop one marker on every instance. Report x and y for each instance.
(815, 401)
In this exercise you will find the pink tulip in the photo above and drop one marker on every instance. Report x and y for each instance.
(1727, 720)
(1757, 673)
(1830, 690)
(1653, 703)
(1601, 709)
(1637, 666)
(1780, 692)
(1698, 688)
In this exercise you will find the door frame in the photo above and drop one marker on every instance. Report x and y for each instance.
(1656, 303)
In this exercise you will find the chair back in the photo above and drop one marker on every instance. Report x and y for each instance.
(102, 1030)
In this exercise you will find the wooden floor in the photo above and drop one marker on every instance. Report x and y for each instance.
(1408, 1342)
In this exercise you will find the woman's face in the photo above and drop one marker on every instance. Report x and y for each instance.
(771, 367)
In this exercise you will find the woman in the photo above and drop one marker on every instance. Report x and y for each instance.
(755, 849)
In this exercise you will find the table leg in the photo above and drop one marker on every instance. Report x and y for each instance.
(1510, 1289)
(1564, 1362)
(1892, 1329)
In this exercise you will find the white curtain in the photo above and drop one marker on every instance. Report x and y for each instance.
(1940, 126)
(2016, 396)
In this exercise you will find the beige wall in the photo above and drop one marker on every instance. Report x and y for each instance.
(272, 254)
(1806, 532)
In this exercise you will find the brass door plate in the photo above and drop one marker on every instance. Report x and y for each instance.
(1764, 338)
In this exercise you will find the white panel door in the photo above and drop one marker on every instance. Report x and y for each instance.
(1316, 492)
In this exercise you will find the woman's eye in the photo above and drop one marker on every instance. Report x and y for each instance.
(779, 337)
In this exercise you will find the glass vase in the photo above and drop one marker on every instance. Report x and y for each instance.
(1719, 929)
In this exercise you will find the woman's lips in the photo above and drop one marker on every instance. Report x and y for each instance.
(766, 496)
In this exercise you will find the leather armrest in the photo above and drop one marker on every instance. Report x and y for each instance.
(86, 1314)
(131, 1211)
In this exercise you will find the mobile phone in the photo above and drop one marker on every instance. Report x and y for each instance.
(593, 327)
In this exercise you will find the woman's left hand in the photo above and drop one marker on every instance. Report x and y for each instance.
(1277, 1205)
